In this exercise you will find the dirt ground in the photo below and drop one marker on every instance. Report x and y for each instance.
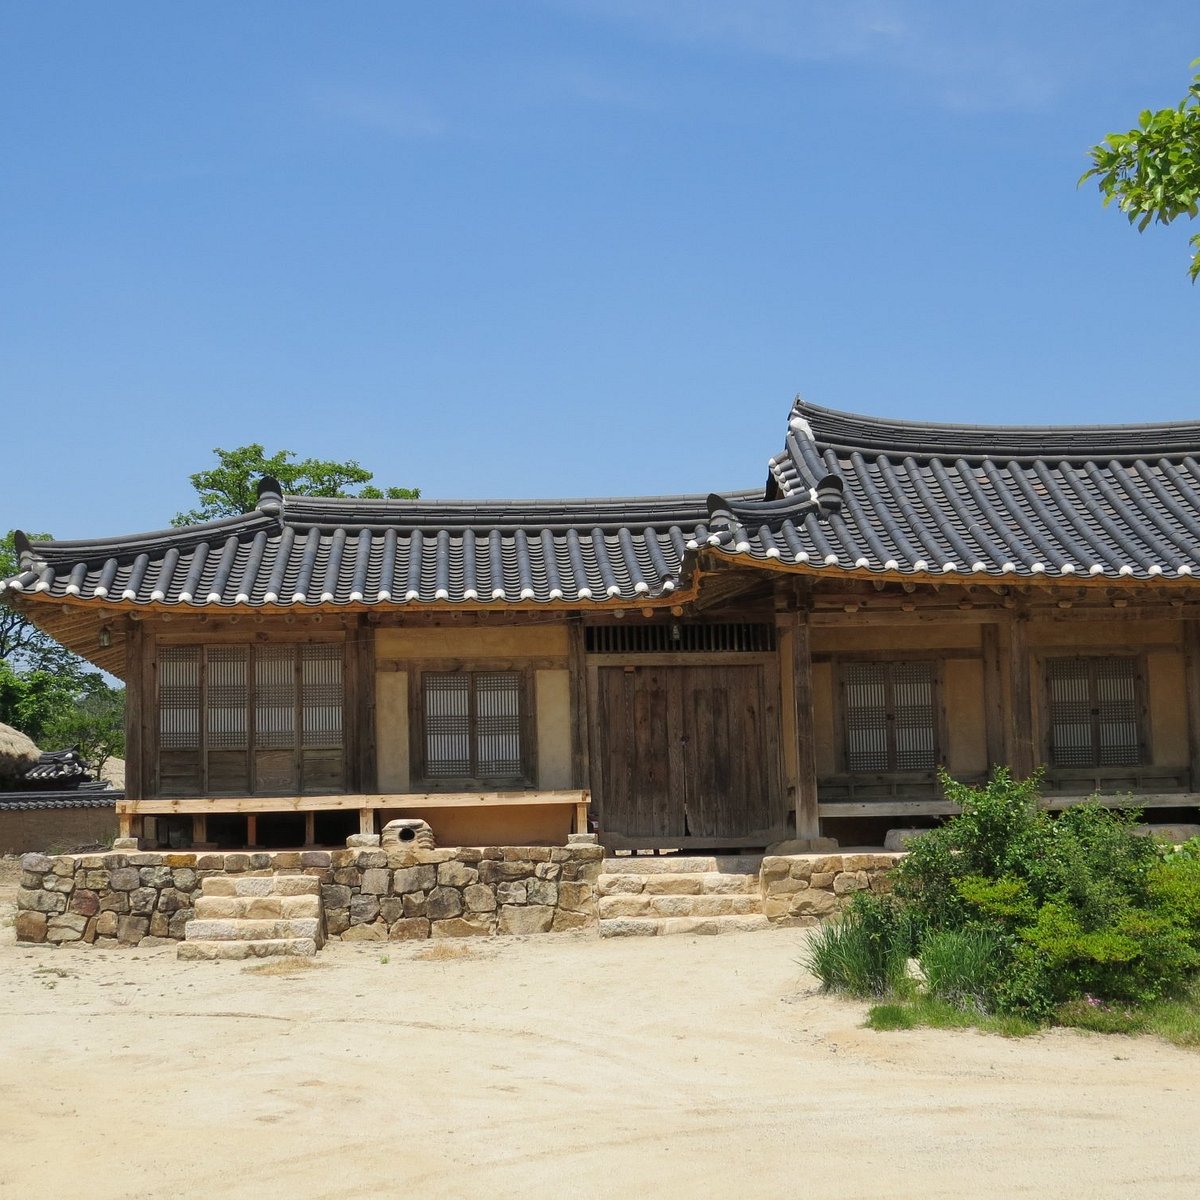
(666, 1067)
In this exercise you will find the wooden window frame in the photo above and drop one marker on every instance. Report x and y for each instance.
(421, 778)
(204, 646)
(1141, 700)
(899, 775)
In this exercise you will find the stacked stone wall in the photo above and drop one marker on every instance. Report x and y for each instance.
(132, 898)
(805, 889)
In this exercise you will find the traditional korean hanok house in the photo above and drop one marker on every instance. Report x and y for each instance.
(698, 672)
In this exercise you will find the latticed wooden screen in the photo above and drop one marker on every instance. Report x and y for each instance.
(472, 725)
(261, 720)
(890, 719)
(1094, 712)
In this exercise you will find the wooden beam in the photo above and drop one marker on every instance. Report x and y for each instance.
(943, 808)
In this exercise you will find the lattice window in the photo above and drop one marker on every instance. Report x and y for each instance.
(259, 719)
(890, 716)
(473, 725)
(1094, 711)
(179, 698)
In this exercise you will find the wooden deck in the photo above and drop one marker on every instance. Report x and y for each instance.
(367, 805)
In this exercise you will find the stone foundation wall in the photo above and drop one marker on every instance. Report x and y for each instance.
(132, 898)
(804, 889)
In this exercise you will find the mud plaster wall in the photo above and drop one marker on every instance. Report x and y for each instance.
(400, 651)
(51, 830)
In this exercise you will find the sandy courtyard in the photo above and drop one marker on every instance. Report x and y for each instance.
(667, 1067)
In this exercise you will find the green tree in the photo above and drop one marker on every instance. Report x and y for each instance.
(94, 723)
(1153, 171)
(230, 487)
(22, 644)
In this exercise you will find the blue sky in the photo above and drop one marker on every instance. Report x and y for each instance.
(562, 247)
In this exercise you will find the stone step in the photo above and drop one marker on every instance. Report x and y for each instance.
(626, 905)
(200, 929)
(687, 864)
(662, 926)
(689, 883)
(260, 885)
(273, 948)
(257, 907)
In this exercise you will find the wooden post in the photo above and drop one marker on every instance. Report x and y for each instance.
(310, 828)
(366, 820)
(1020, 686)
(581, 817)
(199, 828)
(251, 829)
(796, 719)
(993, 696)
(125, 825)
(135, 702)
(1191, 669)
(577, 662)
(362, 675)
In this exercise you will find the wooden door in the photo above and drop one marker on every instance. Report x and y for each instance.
(685, 754)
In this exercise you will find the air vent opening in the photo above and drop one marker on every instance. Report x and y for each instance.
(680, 637)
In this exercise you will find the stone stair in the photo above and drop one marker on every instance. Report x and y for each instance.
(256, 916)
(644, 896)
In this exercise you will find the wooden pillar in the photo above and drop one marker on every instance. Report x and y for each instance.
(577, 662)
(993, 697)
(199, 828)
(135, 705)
(125, 825)
(310, 828)
(360, 706)
(1020, 686)
(252, 829)
(366, 820)
(1191, 668)
(796, 723)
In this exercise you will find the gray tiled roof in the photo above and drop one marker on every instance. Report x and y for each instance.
(32, 801)
(848, 495)
(1110, 501)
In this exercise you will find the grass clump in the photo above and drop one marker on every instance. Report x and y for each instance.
(1020, 919)
(866, 952)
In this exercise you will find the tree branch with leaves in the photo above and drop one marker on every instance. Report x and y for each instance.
(1153, 171)
(229, 488)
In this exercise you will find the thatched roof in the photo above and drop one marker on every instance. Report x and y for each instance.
(17, 753)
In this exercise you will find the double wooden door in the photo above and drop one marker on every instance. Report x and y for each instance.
(686, 754)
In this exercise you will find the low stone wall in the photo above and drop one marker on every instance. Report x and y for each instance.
(804, 889)
(132, 898)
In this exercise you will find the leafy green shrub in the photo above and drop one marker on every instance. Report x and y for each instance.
(961, 967)
(864, 954)
(1072, 906)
